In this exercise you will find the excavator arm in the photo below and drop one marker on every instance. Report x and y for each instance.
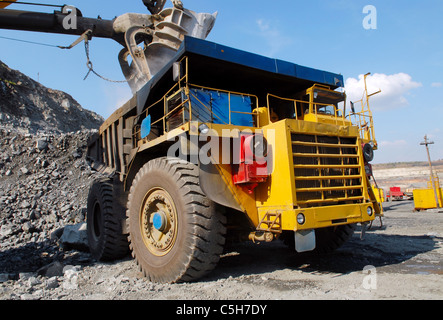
(149, 41)
(4, 4)
(53, 23)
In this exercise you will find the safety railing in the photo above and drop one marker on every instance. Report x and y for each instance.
(230, 111)
(180, 84)
(185, 88)
(364, 121)
(336, 115)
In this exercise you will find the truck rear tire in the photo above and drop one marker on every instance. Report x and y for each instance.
(104, 227)
(175, 232)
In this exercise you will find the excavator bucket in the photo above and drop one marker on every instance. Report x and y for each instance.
(4, 4)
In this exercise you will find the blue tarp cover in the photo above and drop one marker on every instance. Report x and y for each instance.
(218, 103)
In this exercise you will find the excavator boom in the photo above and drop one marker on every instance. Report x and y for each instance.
(53, 23)
(4, 4)
(149, 41)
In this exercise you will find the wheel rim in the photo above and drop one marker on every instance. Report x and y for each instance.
(158, 222)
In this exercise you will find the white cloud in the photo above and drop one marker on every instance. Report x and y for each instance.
(273, 37)
(436, 84)
(394, 88)
(396, 143)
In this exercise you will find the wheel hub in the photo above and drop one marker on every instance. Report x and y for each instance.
(158, 221)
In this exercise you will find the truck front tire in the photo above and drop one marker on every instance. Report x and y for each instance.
(175, 232)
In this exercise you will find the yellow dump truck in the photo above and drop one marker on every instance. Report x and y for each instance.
(225, 144)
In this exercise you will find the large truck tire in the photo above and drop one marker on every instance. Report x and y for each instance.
(104, 225)
(175, 232)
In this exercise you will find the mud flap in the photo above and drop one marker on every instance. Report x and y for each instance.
(215, 187)
(304, 240)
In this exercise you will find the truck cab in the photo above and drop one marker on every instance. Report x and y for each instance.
(325, 105)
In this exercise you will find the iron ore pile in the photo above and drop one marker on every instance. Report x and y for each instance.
(44, 180)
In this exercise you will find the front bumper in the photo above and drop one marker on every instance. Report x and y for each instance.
(323, 217)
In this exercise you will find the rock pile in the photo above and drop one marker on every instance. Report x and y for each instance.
(44, 182)
(29, 106)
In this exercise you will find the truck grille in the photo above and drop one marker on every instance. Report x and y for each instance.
(326, 169)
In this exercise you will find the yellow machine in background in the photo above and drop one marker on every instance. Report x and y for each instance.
(379, 194)
(425, 198)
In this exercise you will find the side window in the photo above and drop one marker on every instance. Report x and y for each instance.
(328, 110)
(281, 108)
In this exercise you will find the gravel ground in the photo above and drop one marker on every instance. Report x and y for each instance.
(400, 260)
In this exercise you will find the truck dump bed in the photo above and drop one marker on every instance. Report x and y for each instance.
(218, 66)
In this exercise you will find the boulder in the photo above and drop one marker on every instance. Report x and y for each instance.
(54, 269)
(75, 237)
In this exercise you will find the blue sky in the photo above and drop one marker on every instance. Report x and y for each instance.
(404, 54)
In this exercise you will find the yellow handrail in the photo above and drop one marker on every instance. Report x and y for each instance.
(187, 86)
(229, 101)
(315, 107)
(364, 119)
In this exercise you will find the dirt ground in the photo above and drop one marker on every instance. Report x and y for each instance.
(400, 260)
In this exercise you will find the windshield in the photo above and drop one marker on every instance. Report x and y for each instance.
(328, 101)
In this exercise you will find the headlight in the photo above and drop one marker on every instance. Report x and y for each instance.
(255, 147)
(301, 218)
(203, 128)
(259, 146)
(369, 211)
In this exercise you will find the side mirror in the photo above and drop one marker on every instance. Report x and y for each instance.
(352, 107)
